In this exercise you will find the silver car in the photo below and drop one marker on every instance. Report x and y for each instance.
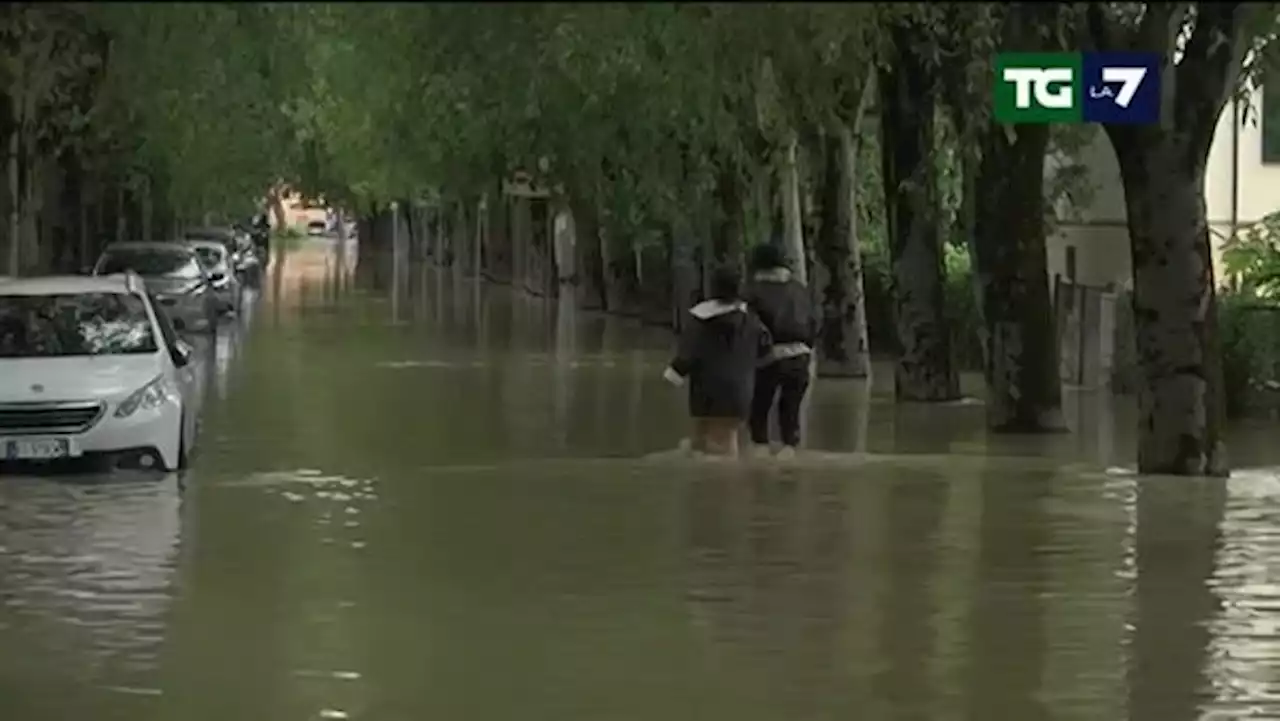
(222, 275)
(174, 278)
(228, 237)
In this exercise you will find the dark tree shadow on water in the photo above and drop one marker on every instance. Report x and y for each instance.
(766, 588)
(1178, 537)
(1006, 618)
(913, 513)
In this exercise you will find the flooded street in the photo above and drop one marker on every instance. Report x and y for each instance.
(443, 502)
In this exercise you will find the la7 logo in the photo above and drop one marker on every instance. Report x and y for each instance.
(1130, 80)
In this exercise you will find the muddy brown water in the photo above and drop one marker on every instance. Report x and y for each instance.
(448, 503)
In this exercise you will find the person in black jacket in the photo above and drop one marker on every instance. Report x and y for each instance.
(720, 346)
(786, 309)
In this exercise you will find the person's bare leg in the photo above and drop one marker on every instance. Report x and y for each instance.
(722, 437)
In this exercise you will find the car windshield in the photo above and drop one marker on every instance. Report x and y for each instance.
(148, 262)
(80, 324)
(209, 256)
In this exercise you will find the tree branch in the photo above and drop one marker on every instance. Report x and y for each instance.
(1102, 32)
(1159, 26)
(1207, 75)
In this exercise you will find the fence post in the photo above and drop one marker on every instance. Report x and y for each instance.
(1082, 334)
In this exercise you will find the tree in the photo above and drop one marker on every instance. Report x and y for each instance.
(924, 370)
(1162, 168)
(47, 48)
(825, 57)
(1004, 206)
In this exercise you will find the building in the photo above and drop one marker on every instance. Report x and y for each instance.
(1242, 186)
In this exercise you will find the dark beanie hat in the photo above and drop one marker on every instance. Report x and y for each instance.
(767, 257)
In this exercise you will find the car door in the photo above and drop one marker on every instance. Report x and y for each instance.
(189, 382)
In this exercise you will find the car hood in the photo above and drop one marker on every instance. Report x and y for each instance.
(76, 378)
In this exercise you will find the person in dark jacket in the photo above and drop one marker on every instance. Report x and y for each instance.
(720, 346)
(786, 309)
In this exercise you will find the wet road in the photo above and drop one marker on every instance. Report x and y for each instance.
(438, 504)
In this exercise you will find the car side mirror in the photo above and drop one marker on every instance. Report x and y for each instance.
(181, 354)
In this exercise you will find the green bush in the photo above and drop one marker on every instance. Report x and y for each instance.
(1250, 335)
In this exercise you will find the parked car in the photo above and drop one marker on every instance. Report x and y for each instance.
(222, 276)
(90, 366)
(249, 261)
(175, 277)
(317, 227)
(229, 237)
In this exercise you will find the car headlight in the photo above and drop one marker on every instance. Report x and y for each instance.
(152, 395)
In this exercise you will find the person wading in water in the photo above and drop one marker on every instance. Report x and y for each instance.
(720, 346)
(786, 309)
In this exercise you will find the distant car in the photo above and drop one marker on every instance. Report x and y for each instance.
(175, 277)
(317, 227)
(234, 240)
(222, 276)
(249, 260)
(89, 366)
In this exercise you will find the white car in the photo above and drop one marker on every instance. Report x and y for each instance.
(89, 367)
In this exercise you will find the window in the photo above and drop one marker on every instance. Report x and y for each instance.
(81, 324)
(1271, 123)
(151, 262)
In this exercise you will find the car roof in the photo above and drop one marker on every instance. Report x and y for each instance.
(157, 245)
(67, 284)
(210, 244)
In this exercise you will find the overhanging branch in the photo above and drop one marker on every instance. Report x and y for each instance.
(1207, 74)
(1103, 33)
(1160, 25)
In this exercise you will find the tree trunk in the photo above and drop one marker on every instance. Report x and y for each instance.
(275, 199)
(727, 239)
(925, 368)
(588, 262)
(615, 270)
(145, 210)
(843, 351)
(15, 203)
(369, 248)
(1174, 307)
(793, 225)
(1024, 393)
(483, 218)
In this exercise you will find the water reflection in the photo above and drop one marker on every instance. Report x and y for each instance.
(1178, 534)
(409, 508)
(767, 586)
(88, 573)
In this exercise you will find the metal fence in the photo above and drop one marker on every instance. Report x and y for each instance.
(1095, 336)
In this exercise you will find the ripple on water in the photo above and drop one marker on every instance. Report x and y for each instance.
(1245, 646)
(87, 574)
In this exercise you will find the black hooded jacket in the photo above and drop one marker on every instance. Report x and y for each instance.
(786, 309)
(720, 347)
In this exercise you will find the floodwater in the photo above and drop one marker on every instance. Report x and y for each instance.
(442, 502)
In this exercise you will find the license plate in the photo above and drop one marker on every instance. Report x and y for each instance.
(35, 449)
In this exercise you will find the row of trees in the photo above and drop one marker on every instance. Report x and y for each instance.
(675, 136)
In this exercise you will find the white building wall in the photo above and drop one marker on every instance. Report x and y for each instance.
(1100, 236)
